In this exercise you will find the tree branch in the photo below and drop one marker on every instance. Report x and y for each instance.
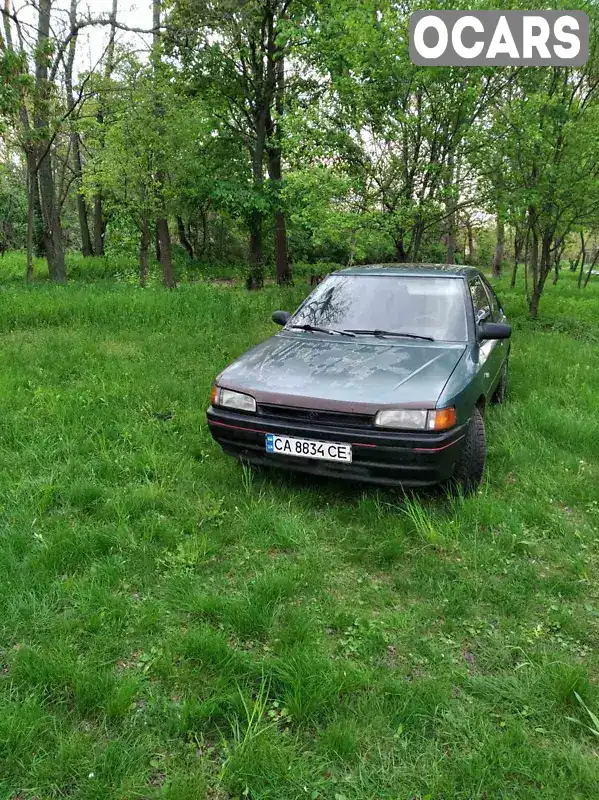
(90, 22)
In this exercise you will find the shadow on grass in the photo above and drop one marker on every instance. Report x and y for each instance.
(344, 488)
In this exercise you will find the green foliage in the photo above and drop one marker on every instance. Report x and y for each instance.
(14, 82)
(381, 160)
(127, 145)
(13, 208)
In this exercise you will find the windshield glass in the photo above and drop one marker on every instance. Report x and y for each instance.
(430, 307)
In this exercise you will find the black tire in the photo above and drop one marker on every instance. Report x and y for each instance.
(470, 467)
(500, 392)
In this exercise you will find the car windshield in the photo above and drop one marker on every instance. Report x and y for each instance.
(419, 306)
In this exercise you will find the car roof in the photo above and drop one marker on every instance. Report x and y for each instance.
(411, 270)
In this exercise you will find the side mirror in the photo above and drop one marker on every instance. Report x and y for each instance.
(493, 330)
(281, 317)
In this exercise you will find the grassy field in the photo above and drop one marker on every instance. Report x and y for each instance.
(124, 269)
(174, 627)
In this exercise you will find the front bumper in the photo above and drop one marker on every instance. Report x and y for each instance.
(379, 456)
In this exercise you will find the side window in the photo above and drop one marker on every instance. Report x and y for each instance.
(494, 300)
(480, 301)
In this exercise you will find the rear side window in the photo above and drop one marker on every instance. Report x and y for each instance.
(480, 300)
(494, 300)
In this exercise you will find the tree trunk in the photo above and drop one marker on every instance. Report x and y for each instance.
(165, 253)
(559, 247)
(99, 220)
(39, 249)
(261, 122)
(534, 302)
(275, 167)
(518, 244)
(470, 234)
(418, 230)
(591, 267)
(53, 244)
(221, 239)
(400, 251)
(144, 252)
(451, 218)
(86, 244)
(283, 272)
(256, 276)
(99, 225)
(204, 218)
(536, 294)
(543, 271)
(31, 185)
(498, 255)
(162, 231)
(49, 201)
(514, 274)
(534, 250)
(183, 237)
(35, 238)
(583, 259)
(157, 244)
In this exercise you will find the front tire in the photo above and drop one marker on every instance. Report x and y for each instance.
(470, 466)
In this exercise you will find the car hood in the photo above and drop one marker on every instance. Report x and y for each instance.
(308, 370)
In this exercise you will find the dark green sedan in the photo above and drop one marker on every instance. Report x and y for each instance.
(383, 374)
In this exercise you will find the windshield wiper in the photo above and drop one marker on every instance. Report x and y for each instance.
(317, 329)
(380, 333)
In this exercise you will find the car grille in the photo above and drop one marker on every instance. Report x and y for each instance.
(339, 419)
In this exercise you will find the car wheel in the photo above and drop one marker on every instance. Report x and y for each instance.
(500, 393)
(470, 466)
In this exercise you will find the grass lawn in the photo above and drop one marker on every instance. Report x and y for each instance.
(172, 626)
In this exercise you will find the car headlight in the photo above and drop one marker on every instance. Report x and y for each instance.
(416, 419)
(226, 398)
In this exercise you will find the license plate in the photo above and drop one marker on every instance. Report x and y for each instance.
(307, 448)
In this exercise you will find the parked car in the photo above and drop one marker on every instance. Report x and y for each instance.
(383, 374)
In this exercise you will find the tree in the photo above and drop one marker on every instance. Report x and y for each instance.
(42, 114)
(123, 155)
(162, 229)
(42, 147)
(545, 135)
(498, 254)
(236, 54)
(99, 218)
(86, 242)
(273, 131)
(411, 130)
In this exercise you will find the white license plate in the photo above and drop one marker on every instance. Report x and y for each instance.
(307, 448)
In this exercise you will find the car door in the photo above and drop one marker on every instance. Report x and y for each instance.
(502, 349)
(490, 356)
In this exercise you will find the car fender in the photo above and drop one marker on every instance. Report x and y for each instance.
(465, 386)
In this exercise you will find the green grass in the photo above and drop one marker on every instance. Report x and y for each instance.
(123, 268)
(174, 627)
